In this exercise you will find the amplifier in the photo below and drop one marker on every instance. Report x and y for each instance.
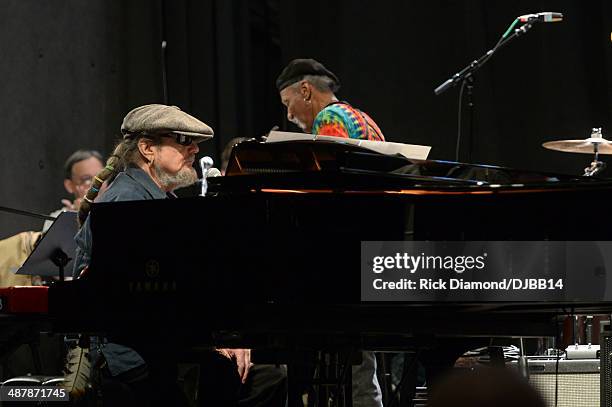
(575, 381)
(605, 340)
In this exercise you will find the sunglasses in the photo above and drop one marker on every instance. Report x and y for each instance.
(182, 139)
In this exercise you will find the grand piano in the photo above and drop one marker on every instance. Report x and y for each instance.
(271, 257)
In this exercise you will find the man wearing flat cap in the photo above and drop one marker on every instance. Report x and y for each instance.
(307, 89)
(155, 157)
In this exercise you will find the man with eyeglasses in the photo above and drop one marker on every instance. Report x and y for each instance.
(79, 168)
(154, 158)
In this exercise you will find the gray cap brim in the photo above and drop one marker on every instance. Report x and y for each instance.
(155, 119)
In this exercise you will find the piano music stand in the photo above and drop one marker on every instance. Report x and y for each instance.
(409, 151)
(50, 257)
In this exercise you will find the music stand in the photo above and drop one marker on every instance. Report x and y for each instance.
(51, 256)
(409, 151)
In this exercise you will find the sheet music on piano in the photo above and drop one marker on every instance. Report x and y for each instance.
(410, 151)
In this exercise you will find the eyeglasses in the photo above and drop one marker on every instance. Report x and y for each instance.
(83, 182)
(182, 139)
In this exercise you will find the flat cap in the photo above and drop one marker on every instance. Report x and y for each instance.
(298, 68)
(149, 120)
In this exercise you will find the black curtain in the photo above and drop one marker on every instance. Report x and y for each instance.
(552, 83)
(72, 70)
(221, 59)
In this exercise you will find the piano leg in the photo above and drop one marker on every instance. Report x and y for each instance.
(326, 379)
(296, 384)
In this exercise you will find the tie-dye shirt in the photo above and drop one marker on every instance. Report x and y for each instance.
(342, 120)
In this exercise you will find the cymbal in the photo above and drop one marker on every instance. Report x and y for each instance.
(580, 146)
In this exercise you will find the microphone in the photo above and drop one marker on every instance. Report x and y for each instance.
(543, 17)
(206, 163)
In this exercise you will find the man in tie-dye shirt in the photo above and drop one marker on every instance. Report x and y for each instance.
(308, 89)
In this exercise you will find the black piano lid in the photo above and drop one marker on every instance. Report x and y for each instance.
(319, 165)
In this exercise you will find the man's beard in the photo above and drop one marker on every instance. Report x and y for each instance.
(186, 176)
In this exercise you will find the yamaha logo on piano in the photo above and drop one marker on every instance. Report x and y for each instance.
(152, 286)
(152, 268)
(151, 281)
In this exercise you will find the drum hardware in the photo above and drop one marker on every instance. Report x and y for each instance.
(595, 144)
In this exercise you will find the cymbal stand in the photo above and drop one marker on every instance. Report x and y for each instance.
(596, 166)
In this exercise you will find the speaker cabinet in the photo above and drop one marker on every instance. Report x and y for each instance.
(576, 382)
(605, 356)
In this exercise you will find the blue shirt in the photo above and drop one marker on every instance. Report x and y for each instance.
(131, 185)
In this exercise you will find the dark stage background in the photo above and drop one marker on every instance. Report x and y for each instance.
(71, 69)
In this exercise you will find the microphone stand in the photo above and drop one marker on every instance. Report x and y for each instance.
(163, 55)
(25, 213)
(596, 165)
(465, 77)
